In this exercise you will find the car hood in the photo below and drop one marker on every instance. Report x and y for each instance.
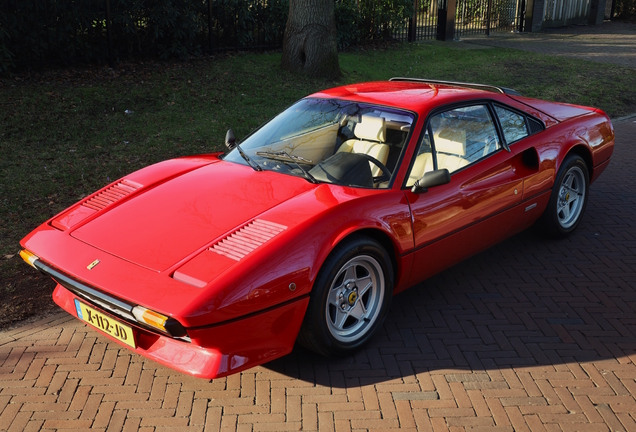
(165, 224)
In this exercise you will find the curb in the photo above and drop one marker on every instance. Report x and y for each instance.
(624, 118)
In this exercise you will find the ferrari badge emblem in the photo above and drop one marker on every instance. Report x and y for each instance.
(353, 296)
(93, 264)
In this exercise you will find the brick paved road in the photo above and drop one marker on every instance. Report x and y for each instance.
(530, 335)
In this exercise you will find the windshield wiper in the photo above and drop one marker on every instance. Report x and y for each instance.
(249, 161)
(282, 155)
(230, 143)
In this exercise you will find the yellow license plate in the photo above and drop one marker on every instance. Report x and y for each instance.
(114, 328)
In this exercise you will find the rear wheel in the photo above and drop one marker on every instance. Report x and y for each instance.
(569, 198)
(350, 298)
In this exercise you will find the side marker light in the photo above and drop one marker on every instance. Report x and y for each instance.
(29, 257)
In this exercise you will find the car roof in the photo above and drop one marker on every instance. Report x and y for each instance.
(411, 95)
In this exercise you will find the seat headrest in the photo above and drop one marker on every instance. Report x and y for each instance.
(452, 141)
(371, 129)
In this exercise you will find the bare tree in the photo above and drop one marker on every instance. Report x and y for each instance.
(310, 44)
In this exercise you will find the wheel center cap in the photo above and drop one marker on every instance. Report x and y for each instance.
(567, 196)
(353, 296)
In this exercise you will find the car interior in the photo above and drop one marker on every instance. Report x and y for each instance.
(379, 137)
(370, 139)
(333, 141)
(364, 136)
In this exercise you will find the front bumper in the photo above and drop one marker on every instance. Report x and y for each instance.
(217, 350)
(117, 307)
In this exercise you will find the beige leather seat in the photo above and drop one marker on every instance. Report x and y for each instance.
(370, 140)
(423, 164)
(450, 145)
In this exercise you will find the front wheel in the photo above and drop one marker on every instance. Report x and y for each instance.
(569, 198)
(350, 298)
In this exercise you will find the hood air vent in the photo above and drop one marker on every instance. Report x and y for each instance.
(244, 240)
(111, 195)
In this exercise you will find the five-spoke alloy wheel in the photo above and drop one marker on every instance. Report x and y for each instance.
(350, 298)
(355, 298)
(569, 197)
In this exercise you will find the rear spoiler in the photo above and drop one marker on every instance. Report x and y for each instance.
(504, 90)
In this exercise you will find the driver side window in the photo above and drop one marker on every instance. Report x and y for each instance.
(458, 137)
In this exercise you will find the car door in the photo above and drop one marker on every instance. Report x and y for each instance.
(470, 213)
(521, 134)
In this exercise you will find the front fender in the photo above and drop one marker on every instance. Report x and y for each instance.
(316, 222)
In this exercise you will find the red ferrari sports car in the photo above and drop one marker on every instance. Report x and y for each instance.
(304, 230)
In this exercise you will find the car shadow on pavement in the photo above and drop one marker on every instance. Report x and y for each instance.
(526, 302)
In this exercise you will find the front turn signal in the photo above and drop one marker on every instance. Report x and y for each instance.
(29, 257)
(151, 318)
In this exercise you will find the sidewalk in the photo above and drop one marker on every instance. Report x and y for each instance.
(610, 43)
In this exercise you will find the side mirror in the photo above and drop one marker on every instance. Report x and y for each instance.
(230, 141)
(430, 179)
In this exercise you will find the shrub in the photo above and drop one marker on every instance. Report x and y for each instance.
(165, 28)
(6, 56)
(625, 9)
(381, 18)
(37, 31)
(44, 31)
(347, 22)
(358, 20)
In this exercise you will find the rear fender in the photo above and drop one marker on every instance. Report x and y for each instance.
(592, 139)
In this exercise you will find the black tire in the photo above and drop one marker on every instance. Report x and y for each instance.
(370, 265)
(555, 222)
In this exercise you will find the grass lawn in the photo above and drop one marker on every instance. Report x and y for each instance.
(64, 134)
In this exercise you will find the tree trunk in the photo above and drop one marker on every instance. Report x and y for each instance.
(310, 44)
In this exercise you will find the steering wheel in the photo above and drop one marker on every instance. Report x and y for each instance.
(386, 174)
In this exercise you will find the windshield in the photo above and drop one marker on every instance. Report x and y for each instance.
(331, 141)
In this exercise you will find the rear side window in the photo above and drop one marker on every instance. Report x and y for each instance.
(513, 124)
(535, 126)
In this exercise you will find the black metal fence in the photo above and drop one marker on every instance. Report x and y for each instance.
(382, 19)
(46, 31)
(245, 24)
(49, 31)
(483, 16)
(431, 18)
(427, 18)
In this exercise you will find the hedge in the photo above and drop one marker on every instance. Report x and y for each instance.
(61, 31)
